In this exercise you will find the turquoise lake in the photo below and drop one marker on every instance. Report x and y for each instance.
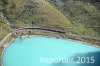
(44, 51)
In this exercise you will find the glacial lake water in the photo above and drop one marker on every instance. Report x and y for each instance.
(43, 51)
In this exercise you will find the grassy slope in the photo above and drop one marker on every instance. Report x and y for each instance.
(28, 13)
(84, 12)
(4, 28)
(3, 31)
(40, 13)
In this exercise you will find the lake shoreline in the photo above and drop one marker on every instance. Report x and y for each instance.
(28, 36)
(5, 46)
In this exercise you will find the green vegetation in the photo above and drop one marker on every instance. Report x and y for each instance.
(80, 18)
(40, 13)
(80, 12)
(1, 50)
(4, 28)
(70, 16)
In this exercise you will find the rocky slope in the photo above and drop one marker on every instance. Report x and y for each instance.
(82, 12)
(29, 13)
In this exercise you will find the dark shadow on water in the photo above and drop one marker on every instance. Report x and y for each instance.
(95, 55)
